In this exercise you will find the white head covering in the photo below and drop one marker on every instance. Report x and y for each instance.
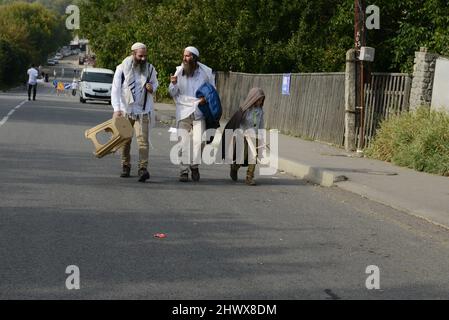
(193, 50)
(138, 45)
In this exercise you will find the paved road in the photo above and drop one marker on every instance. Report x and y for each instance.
(283, 239)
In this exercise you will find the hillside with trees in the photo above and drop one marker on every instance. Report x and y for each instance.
(28, 33)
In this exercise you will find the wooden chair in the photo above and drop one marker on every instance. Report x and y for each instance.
(121, 131)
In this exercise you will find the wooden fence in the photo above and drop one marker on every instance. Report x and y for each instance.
(315, 107)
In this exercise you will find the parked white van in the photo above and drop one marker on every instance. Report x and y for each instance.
(96, 84)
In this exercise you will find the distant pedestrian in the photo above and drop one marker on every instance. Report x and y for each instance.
(60, 88)
(33, 74)
(54, 73)
(74, 86)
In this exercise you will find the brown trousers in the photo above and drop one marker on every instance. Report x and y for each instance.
(141, 130)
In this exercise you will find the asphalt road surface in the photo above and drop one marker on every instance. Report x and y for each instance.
(283, 239)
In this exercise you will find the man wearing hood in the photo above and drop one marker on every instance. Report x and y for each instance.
(135, 82)
(189, 77)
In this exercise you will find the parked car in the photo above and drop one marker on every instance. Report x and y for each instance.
(96, 84)
(59, 56)
(51, 62)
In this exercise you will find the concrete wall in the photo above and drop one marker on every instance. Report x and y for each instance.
(440, 94)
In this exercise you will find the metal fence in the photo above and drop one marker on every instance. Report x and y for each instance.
(314, 109)
(387, 94)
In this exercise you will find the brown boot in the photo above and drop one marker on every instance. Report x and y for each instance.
(250, 175)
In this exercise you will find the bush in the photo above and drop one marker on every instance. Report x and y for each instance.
(12, 64)
(417, 140)
(162, 94)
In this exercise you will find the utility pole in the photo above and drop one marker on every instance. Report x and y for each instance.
(360, 41)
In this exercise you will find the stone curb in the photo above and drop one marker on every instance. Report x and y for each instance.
(310, 173)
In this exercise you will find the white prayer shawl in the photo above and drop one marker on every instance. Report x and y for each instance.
(130, 90)
(130, 82)
(186, 105)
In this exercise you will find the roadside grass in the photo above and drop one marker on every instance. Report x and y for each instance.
(417, 140)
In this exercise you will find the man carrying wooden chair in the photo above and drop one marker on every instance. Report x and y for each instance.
(135, 82)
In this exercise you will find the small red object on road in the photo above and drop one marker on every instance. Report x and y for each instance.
(160, 235)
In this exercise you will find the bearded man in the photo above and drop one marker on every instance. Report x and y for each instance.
(135, 82)
(189, 77)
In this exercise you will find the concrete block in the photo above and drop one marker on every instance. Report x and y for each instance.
(310, 173)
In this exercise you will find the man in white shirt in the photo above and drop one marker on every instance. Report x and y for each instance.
(74, 86)
(189, 77)
(135, 82)
(32, 81)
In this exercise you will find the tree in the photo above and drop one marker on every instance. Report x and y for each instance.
(12, 59)
(28, 33)
(262, 36)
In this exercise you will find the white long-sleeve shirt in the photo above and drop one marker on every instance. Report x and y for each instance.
(118, 96)
(187, 86)
(32, 76)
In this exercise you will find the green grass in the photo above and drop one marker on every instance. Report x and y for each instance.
(417, 140)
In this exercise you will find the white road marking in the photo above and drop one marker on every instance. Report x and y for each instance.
(3, 121)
